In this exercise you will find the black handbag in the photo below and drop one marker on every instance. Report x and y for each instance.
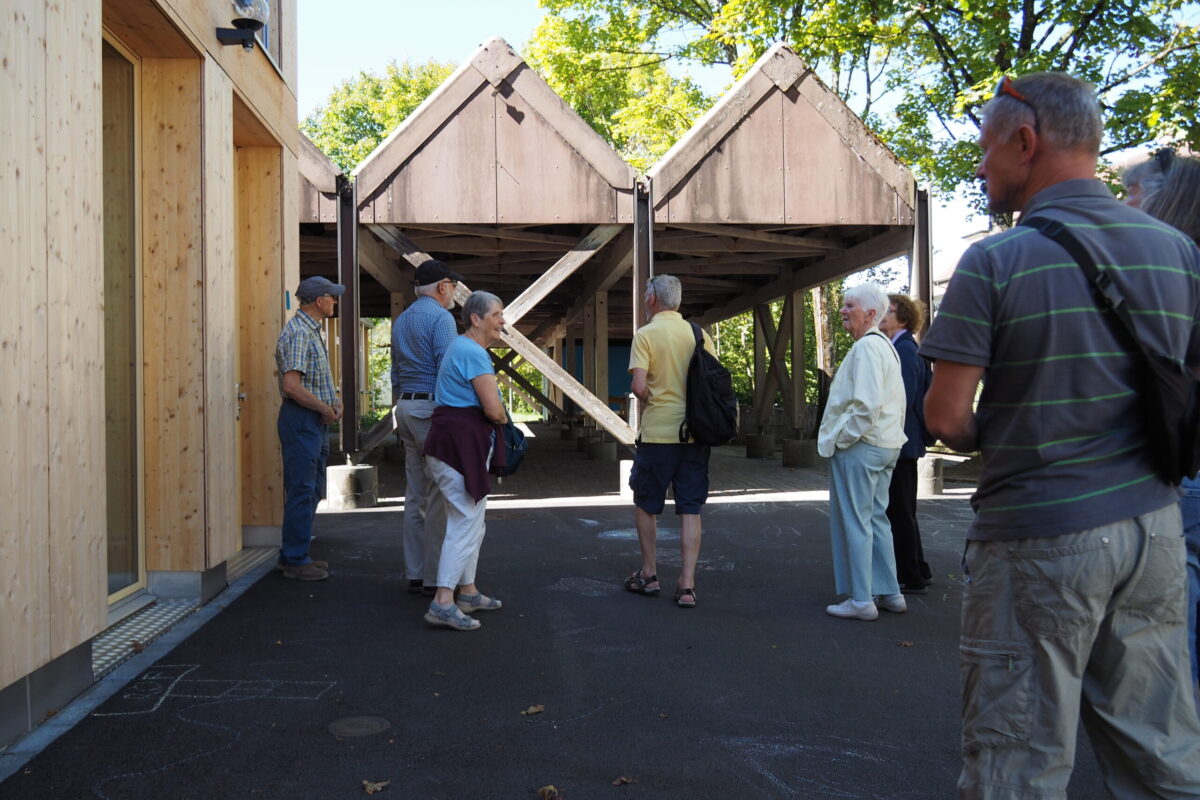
(1171, 407)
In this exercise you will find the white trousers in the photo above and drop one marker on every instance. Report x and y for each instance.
(464, 527)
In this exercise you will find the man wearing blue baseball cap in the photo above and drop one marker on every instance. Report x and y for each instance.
(310, 403)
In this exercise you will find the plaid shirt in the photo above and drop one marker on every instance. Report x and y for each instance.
(301, 349)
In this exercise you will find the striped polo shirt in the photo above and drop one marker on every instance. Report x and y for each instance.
(300, 348)
(1060, 429)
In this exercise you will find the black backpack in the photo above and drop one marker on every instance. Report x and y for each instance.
(1169, 394)
(711, 417)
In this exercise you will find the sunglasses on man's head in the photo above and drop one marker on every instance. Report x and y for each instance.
(1005, 88)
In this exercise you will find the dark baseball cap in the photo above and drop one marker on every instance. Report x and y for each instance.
(433, 271)
(316, 286)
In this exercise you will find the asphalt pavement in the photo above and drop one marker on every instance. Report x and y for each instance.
(338, 689)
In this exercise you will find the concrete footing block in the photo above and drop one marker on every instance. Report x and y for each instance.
(799, 452)
(760, 445)
(352, 486)
(602, 451)
(929, 475)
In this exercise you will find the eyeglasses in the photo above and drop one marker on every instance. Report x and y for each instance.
(450, 281)
(1005, 88)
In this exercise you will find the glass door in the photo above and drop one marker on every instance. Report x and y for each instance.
(122, 348)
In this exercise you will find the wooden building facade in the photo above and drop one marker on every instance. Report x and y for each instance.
(150, 220)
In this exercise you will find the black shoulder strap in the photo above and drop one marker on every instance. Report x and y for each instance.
(1107, 291)
(696, 332)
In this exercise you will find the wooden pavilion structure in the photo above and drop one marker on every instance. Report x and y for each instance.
(777, 189)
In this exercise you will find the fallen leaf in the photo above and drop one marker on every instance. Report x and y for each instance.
(906, 644)
(136, 646)
(664, 714)
(278, 642)
(371, 787)
(621, 781)
(529, 712)
(550, 793)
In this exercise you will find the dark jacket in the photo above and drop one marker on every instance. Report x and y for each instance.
(461, 437)
(917, 377)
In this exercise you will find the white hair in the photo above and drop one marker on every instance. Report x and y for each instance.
(667, 290)
(870, 296)
(428, 289)
(480, 304)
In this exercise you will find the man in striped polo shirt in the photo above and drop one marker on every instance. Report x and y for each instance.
(1074, 565)
(310, 403)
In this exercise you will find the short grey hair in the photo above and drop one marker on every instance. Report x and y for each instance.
(428, 289)
(870, 296)
(1063, 108)
(667, 290)
(479, 303)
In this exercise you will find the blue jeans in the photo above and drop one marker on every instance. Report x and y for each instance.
(305, 453)
(864, 560)
(1190, 507)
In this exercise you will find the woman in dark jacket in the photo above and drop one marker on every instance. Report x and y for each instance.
(905, 316)
(464, 439)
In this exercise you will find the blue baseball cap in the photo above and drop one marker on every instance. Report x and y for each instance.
(316, 286)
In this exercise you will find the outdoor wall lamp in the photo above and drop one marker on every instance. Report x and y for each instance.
(248, 18)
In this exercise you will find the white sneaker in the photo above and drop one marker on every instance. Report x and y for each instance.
(894, 603)
(852, 609)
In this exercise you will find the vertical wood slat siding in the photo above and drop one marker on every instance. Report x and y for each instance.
(173, 279)
(24, 516)
(260, 283)
(74, 344)
(222, 514)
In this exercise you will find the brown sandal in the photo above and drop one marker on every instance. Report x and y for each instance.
(638, 584)
(685, 598)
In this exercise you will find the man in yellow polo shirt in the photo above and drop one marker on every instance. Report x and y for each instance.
(658, 363)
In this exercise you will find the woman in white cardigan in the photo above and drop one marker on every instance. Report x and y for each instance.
(861, 433)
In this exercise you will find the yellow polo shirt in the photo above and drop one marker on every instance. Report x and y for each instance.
(663, 347)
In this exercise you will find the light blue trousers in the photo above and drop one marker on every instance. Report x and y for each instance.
(864, 561)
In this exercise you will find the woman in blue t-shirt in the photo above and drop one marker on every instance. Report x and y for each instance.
(462, 437)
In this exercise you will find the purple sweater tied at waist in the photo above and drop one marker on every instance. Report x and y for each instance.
(462, 437)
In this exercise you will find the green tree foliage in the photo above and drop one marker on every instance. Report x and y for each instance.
(361, 112)
(917, 73)
(734, 340)
(626, 95)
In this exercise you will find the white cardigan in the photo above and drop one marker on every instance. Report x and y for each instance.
(866, 400)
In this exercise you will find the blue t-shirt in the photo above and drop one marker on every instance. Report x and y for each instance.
(464, 361)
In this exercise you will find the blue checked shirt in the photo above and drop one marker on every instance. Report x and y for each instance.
(301, 349)
(420, 336)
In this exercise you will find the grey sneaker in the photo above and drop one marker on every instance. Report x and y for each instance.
(305, 572)
(280, 566)
(450, 617)
(470, 603)
(852, 609)
(894, 603)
